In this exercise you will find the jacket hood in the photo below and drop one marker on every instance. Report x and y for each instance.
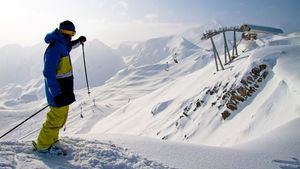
(55, 36)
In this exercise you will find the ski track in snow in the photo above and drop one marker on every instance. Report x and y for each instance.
(81, 154)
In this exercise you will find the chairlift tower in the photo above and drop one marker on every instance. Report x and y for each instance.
(249, 33)
(211, 33)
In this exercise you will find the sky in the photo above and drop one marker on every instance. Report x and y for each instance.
(115, 21)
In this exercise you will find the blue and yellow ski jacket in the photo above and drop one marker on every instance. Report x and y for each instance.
(58, 71)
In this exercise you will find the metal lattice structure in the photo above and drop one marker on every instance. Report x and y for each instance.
(211, 33)
(249, 32)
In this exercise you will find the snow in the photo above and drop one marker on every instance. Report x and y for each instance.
(124, 151)
(147, 111)
(260, 114)
(15, 60)
(102, 63)
(259, 153)
(155, 50)
(80, 154)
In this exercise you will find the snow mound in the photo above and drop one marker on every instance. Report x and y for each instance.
(81, 154)
(285, 138)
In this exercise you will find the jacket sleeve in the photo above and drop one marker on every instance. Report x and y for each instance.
(74, 44)
(52, 57)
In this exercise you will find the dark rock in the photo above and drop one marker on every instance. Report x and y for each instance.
(259, 80)
(256, 71)
(198, 104)
(262, 66)
(243, 91)
(165, 138)
(265, 74)
(213, 103)
(216, 89)
(252, 89)
(238, 97)
(225, 115)
(226, 85)
(208, 91)
(185, 114)
(244, 82)
(231, 106)
(249, 78)
(224, 97)
(232, 92)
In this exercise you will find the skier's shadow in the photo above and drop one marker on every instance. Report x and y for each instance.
(294, 163)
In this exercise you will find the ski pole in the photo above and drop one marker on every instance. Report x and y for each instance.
(24, 121)
(86, 77)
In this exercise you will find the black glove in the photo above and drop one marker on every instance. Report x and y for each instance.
(60, 100)
(82, 39)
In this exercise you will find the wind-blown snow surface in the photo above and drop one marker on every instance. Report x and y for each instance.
(279, 148)
(179, 106)
(80, 154)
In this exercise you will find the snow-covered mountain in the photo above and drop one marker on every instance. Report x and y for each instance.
(194, 35)
(20, 64)
(156, 50)
(181, 105)
(101, 61)
(193, 107)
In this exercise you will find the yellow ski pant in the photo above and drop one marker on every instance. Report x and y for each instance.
(56, 119)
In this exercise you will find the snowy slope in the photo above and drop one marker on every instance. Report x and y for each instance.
(123, 151)
(160, 113)
(279, 148)
(81, 154)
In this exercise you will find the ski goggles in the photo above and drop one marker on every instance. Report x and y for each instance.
(67, 32)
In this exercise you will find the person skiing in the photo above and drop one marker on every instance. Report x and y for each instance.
(58, 76)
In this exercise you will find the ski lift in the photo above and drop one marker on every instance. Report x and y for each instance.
(250, 32)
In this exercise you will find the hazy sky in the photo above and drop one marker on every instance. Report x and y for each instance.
(112, 21)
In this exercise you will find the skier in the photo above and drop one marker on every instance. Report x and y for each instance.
(58, 76)
(175, 58)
